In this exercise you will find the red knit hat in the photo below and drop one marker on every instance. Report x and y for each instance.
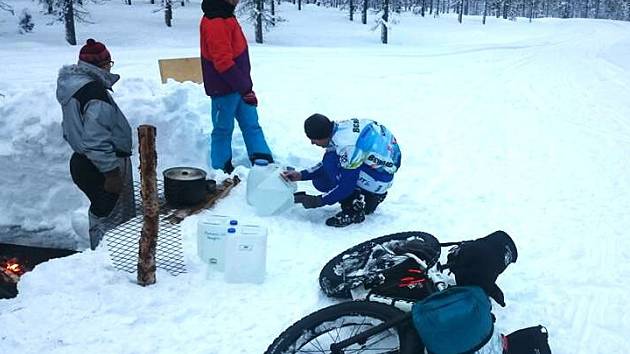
(94, 52)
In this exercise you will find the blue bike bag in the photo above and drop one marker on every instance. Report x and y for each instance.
(454, 321)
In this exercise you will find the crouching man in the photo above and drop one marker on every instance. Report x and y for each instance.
(357, 168)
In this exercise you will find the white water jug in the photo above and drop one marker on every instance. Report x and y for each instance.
(258, 172)
(267, 191)
(246, 255)
(211, 235)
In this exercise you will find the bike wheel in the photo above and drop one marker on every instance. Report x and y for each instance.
(357, 265)
(317, 331)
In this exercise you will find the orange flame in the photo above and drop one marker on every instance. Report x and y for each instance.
(13, 266)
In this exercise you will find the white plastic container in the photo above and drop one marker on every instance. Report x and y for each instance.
(211, 235)
(267, 191)
(246, 255)
(256, 175)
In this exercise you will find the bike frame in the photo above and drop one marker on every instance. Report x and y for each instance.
(361, 338)
(439, 280)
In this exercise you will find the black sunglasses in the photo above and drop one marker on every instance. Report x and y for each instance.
(110, 63)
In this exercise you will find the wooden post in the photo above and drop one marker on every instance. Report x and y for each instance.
(148, 236)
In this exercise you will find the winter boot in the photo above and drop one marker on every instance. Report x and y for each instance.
(260, 156)
(352, 212)
(372, 200)
(228, 167)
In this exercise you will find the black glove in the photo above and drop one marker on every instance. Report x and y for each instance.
(307, 201)
(250, 98)
(480, 262)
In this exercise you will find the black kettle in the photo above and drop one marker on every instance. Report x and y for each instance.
(187, 186)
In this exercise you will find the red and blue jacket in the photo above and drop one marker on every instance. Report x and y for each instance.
(224, 57)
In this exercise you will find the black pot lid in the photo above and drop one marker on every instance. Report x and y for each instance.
(184, 174)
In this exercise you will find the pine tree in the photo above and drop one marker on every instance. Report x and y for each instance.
(256, 13)
(259, 20)
(273, 12)
(68, 20)
(50, 6)
(485, 11)
(68, 12)
(351, 8)
(384, 21)
(26, 22)
(168, 12)
(364, 12)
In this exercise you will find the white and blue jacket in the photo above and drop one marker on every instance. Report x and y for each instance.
(368, 156)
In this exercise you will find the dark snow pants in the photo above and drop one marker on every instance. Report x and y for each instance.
(107, 210)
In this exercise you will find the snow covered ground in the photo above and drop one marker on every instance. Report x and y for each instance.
(516, 126)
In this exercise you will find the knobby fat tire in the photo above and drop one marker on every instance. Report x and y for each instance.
(409, 342)
(330, 282)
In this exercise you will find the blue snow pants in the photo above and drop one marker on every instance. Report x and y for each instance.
(224, 109)
(330, 175)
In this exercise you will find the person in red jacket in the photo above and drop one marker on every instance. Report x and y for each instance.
(226, 78)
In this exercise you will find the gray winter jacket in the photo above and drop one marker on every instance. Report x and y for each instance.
(92, 124)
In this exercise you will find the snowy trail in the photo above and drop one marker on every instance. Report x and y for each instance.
(559, 161)
(591, 146)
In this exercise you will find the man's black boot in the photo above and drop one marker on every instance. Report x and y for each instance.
(372, 200)
(352, 212)
(228, 167)
(260, 156)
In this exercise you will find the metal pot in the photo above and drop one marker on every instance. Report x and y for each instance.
(186, 186)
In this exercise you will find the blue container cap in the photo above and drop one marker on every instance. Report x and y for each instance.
(231, 230)
(233, 222)
(261, 162)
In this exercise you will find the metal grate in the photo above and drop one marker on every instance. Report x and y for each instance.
(122, 240)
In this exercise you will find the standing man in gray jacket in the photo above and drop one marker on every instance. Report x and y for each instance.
(100, 136)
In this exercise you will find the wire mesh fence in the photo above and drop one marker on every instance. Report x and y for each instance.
(122, 239)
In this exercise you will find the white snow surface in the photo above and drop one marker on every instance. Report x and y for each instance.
(518, 126)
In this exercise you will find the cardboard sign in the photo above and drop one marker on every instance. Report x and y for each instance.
(181, 69)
